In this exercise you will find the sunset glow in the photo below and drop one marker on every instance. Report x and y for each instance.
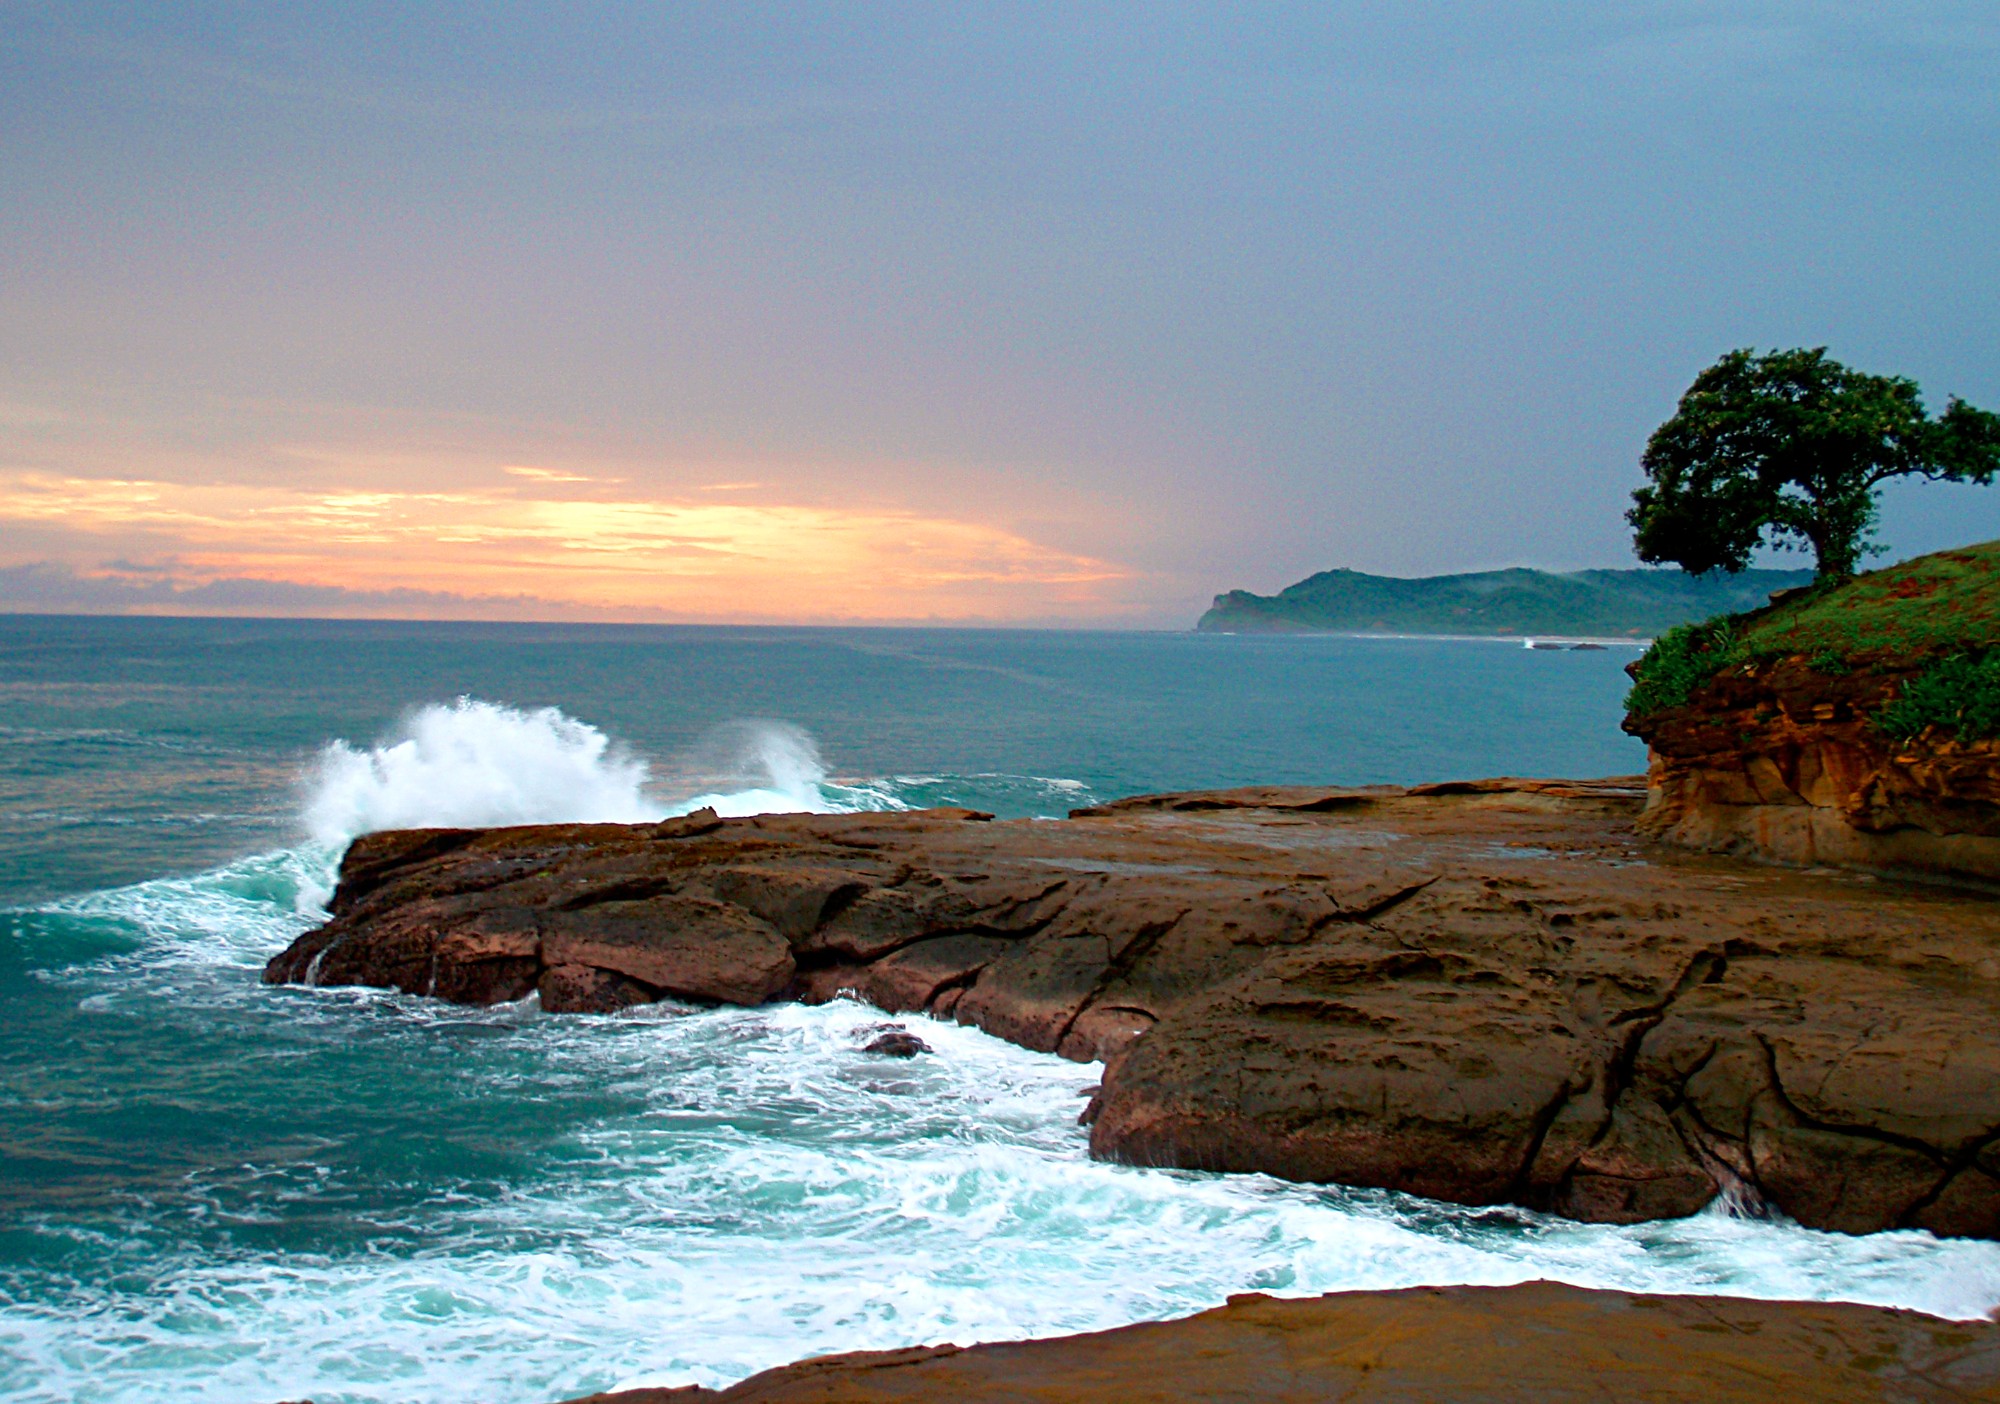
(688, 315)
(535, 537)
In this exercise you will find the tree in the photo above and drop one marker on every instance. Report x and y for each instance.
(1793, 445)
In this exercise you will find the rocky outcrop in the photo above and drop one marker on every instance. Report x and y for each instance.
(1779, 759)
(1535, 1343)
(1487, 992)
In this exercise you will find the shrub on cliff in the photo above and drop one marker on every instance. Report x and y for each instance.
(1959, 695)
(1792, 446)
(1679, 662)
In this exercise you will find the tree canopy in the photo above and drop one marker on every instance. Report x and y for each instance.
(1788, 449)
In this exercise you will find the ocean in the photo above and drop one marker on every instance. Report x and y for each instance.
(215, 1190)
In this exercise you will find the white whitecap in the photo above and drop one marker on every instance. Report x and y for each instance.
(763, 767)
(475, 764)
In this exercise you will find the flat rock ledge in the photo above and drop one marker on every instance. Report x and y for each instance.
(1534, 1343)
(1487, 992)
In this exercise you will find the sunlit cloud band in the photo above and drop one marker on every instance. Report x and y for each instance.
(552, 537)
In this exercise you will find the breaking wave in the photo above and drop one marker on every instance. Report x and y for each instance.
(474, 764)
(767, 767)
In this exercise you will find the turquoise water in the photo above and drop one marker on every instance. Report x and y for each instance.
(214, 1190)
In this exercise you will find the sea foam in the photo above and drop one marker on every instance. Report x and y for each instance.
(472, 764)
(760, 766)
(475, 764)
(751, 1187)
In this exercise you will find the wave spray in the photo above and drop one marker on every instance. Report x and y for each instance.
(473, 764)
(758, 767)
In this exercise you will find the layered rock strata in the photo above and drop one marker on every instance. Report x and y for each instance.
(1535, 1343)
(1492, 992)
(1779, 759)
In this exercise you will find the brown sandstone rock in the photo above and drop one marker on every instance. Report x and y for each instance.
(690, 946)
(1485, 992)
(1779, 759)
(588, 989)
(1533, 1343)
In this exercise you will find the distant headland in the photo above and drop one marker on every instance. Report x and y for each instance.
(1588, 603)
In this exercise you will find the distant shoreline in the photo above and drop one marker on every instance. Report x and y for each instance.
(1517, 640)
(1592, 605)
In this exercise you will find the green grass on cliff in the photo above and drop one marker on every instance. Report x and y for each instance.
(1939, 614)
(1946, 602)
(1959, 695)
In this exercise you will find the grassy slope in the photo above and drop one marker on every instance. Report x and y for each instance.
(1935, 617)
(1602, 602)
(1947, 602)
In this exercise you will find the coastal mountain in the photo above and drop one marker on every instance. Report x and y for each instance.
(1631, 603)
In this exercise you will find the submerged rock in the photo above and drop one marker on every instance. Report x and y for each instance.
(1534, 1343)
(897, 1043)
(1488, 992)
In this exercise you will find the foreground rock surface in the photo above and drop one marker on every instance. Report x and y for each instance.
(1537, 1342)
(1486, 992)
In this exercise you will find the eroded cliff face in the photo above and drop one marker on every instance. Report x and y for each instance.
(1488, 992)
(1781, 760)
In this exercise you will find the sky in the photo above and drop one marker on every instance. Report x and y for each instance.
(1014, 314)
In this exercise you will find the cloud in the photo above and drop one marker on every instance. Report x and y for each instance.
(552, 475)
(143, 543)
(21, 414)
(124, 587)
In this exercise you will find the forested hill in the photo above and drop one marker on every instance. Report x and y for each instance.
(1601, 603)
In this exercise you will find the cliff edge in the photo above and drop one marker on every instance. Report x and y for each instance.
(1856, 724)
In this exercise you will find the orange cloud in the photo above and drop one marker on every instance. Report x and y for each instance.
(531, 536)
(552, 475)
